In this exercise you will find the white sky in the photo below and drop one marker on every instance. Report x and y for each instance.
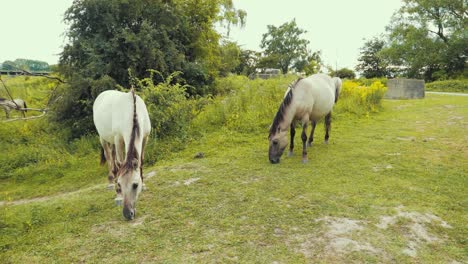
(336, 27)
(33, 29)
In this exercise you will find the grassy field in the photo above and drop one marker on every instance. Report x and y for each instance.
(389, 188)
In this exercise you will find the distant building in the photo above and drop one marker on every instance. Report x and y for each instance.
(265, 73)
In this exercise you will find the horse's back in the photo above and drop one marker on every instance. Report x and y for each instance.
(315, 95)
(113, 114)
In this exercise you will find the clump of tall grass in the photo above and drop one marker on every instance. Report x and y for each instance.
(250, 105)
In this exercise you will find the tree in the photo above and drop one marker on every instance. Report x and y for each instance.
(313, 64)
(26, 64)
(249, 60)
(284, 46)
(344, 73)
(230, 58)
(428, 39)
(371, 63)
(109, 39)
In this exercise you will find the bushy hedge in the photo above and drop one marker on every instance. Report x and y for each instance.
(448, 86)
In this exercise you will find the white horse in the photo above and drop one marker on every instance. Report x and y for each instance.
(16, 104)
(123, 124)
(307, 99)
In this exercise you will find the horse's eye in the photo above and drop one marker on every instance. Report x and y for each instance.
(275, 142)
(135, 186)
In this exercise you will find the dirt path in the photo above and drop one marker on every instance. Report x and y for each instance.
(445, 93)
(62, 195)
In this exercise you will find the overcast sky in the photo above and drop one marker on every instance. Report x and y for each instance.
(33, 29)
(336, 27)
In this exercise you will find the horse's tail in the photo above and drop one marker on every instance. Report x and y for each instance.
(338, 83)
(132, 152)
(25, 106)
(103, 157)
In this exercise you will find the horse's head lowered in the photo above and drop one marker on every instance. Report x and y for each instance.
(278, 142)
(129, 185)
(278, 133)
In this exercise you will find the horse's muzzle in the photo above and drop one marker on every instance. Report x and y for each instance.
(129, 214)
(274, 161)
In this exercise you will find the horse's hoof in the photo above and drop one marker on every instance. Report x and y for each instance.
(309, 145)
(118, 201)
(110, 186)
(290, 154)
(326, 142)
(304, 161)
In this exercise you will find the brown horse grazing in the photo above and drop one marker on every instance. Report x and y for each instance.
(16, 104)
(306, 100)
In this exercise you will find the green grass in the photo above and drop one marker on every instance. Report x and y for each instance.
(410, 157)
(36, 160)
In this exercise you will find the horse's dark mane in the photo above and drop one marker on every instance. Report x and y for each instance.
(279, 117)
(132, 152)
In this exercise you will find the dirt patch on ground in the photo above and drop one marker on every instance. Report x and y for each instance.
(185, 167)
(336, 240)
(417, 224)
(338, 237)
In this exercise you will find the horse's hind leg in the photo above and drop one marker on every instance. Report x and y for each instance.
(304, 141)
(327, 127)
(311, 138)
(293, 133)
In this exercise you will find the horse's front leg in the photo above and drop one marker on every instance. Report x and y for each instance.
(311, 137)
(118, 153)
(327, 127)
(293, 133)
(304, 141)
(107, 155)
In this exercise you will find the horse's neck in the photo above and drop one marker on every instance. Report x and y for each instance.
(288, 118)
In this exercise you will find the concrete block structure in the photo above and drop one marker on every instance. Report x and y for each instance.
(405, 89)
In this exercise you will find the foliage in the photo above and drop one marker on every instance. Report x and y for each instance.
(37, 159)
(111, 37)
(448, 86)
(285, 46)
(168, 107)
(230, 58)
(357, 98)
(427, 39)
(35, 91)
(312, 65)
(248, 61)
(344, 73)
(242, 111)
(73, 105)
(371, 63)
(25, 64)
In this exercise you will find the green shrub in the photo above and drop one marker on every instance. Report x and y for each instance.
(448, 86)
